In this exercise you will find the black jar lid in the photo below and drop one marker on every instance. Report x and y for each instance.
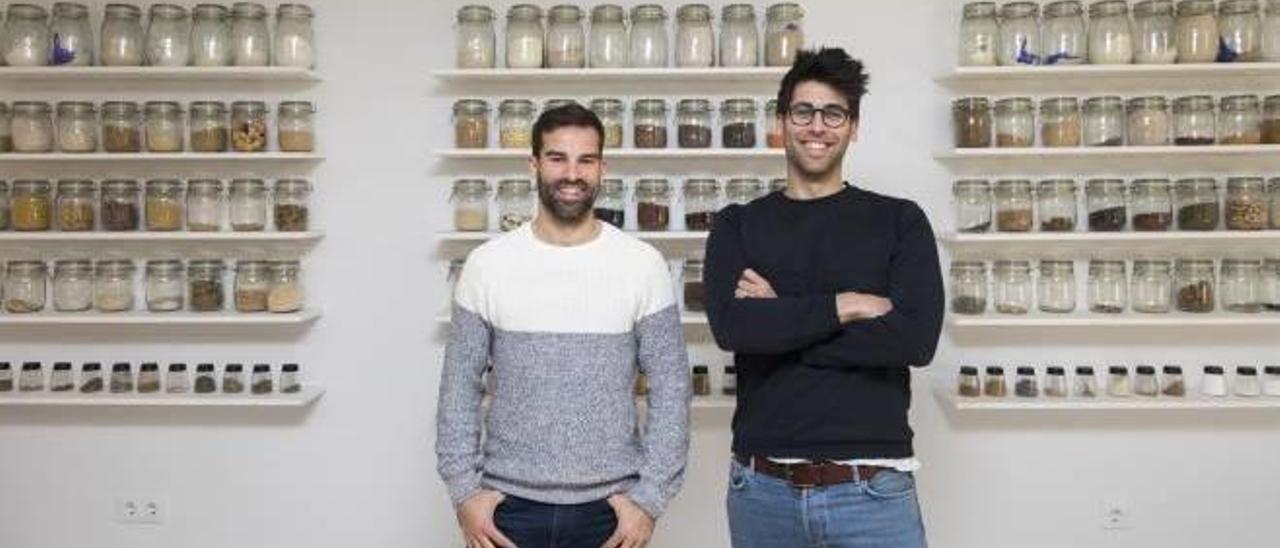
(177, 367)
(1272, 370)
(1118, 370)
(121, 367)
(1172, 370)
(700, 370)
(1084, 370)
(1057, 371)
(969, 370)
(1213, 369)
(995, 370)
(234, 368)
(290, 368)
(1028, 371)
(261, 368)
(204, 368)
(62, 366)
(5, 366)
(1146, 370)
(149, 367)
(731, 370)
(1247, 370)
(92, 366)
(30, 366)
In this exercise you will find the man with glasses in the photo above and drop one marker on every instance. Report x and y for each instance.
(827, 294)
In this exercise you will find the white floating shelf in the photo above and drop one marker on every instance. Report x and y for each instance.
(94, 157)
(1084, 319)
(948, 397)
(771, 75)
(100, 238)
(624, 153)
(1087, 244)
(1092, 160)
(687, 318)
(1094, 78)
(157, 319)
(672, 236)
(155, 74)
(304, 398)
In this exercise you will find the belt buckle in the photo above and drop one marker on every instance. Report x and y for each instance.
(791, 473)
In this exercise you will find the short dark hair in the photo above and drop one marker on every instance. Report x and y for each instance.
(570, 115)
(831, 66)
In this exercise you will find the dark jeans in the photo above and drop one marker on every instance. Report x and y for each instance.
(532, 524)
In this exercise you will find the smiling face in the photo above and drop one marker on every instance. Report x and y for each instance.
(815, 150)
(568, 172)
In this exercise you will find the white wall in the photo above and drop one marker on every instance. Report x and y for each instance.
(358, 468)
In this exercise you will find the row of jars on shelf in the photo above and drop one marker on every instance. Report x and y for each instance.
(1156, 287)
(650, 123)
(611, 44)
(1196, 32)
(208, 36)
(148, 380)
(81, 285)
(1145, 205)
(1119, 384)
(156, 126)
(168, 205)
(1111, 122)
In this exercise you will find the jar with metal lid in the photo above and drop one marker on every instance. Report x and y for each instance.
(291, 211)
(695, 292)
(1246, 207)
(32, 377)
(515, 203)
(1066, 40)
(294, 38)
(1197, 31)
(739, 36)
(72, 36)
(994, 385)
(1152, 205)
(113, 286)
(1014, 205)
(1110, 38)
(76, 205)
(168, 36)
(566, 44)
(1153, 32)
(77, 127)
(979, 33)
(969, 385)
(971, 122)
(471, 205)
(701, 202)
(247, 205)
(784, 34)
(208, 126)
(121, 127)
(1271, 32)
(1105, 201)
(1086, 383)
(1026, 384)
(973, 205)
(1273, 189)
(515, 123)
(31, 206)
(290, 379)
(649, 121)
(1151, 289)
(693, 123)
(1013, 289)
(738, 123)
(610, 112)
(73, 285)
(475, 38)
(25, 287)
(743, 191)
(1015, 123)
(1056, 290)
(249, 126)
(1271, 285)
(1241, 285)
(165, 285)
(609, 47)
(149, 378)
(969, 287)
(1195, 283)
(1118, 383)
(122, 36)
(164, 205)
(1194, 122)
(648, 36)
(695, 41)
(1019, 34)
(6, 128)
(1197, 202)
(204, 205)
(120, 205)
(1240, 31)
(1239, 120)
(206, 290)
(250, 39)
(253, 285)
(611, 206)
(4, 206)
(1057, 205)
(295, 126)
(1148, 122)
(164, 126)
(524, 44)
(32, 127)
(1145, 383)
(1104, 122)
(26, 36)
(176, 381)
(1060, 123)
(1271, 116)
(210, 36)
(653, 204)
(1108, 287)
(471, 123)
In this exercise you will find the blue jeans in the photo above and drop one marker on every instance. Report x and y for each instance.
(767, 512)
(532, 524)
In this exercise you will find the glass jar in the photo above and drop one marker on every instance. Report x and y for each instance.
(1239, 121)
(76, 205)
(249, 126)
(1197, 31)
(164, 205)
(6, 377)
(743, 191)
(1148, 122)
(1152, 205)
(4, 206)
(1027, 383)
(1013, 290)
(1273, 189)
(969, 385)
(26, 36)
(471, 123)
(260, 382)
(6, 128)
(121, 127)
(695, 41)
(738, 123)
(233, 379)
(611, 206)
(1108, 287)
(470, 205)
(1153, 31)
(1247, 382)
(113, 286)
(73, 285)
(250, 39)
(25, 287)
(253, 285)
(566, 44)
(1118, 385)
(1055, 382)
(1015, 122)
(60, 380)
(122, 36)
(208, 127)
(648, 36)
(609, 45)
(205, 382)
(524, 37)
(1110, 38)
(739, 36)
(1240, 30)
(175, 381)
(1271, 118)
(1145, 383)
(973, 205)
(204, 205)
(168, 36)
(295, 126)
(1195, 284)
(165, 286)
(693, 123)
(1246, 206)
(1105, 201)
(701, 202)
(1173, 383)
(1271, 285)
(784, 34)
(968, 287)
(290, 382)
(1014, 206)
(1194, 122)
(649, 121)
(32, 377)
(72, 36)
(610, 112)
(164, 127)
(1066, 41)
(515, 123)
(120, 206)
(1271, 386)
(291, 209)
(247, 205)
(1056, 292)
(1271, 32)
(1086, 384)
(32, 127)
(31, 206)
(1213, 383)
(210, 36)
(121, 378)
(653, 204)
(295, 37)
(1197, 201)
(515, 203)
(994, 385)
(1151, 289)
(979, 32)
(1019, 34)
(695, 293)
(287, 294)
(475, 38)
(1241, 285)
(971, 122)
(1104, 122)
(1056, 203)
(206, 291)
(1060, 123)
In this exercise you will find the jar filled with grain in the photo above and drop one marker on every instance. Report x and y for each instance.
(287, 294)
(1152, 205)
(291, 209)
(31, 206)
(249, 126)
(32, 127)
(524, 37)
(649, 123)
(77, 127)
(693, 123)
(1196, 31)
(253, 285)
(164, 205)
(1197, 202)
(1015, 122)
(784, 34)
(1014, 206)
(515, 123)
(1060, 122)
(76, 205)
(121, 127)
(1246, 207)
(1239, 120)
(738, 123)
(470, 205)
(1105, 201)
(610, 112)
(653, 204)
(208, 127)
(164, 126)
(205, 205)
(206, 286)
(971, 122)
(295, 126)
(611, 207)
(471, 123)
(1195, 286)
(121, 211)
(701, 202)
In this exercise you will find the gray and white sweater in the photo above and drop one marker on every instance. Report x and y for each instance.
(567, 329)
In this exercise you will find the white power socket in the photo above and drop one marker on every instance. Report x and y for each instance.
(141, 510)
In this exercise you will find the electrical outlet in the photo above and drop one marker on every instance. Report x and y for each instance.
(1116, 517)
(141, 510)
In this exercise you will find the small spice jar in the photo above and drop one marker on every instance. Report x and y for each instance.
(1148, 121)
(1104, 122)
(524, 43)
(1240, 31)
(566, 43)
(1152, 204)
(738, 123)
(121, 127)
(120, 209)
(1027, 384)
(650, 123)
(1241, 285)
(973, 205)
(743, 191)
(113, 283)
(649, 36)
(168, 42)
(1151, 289)
(208, 127)
(261, 383)
(122, 36)
(76, 205)
(32, 377)
(1086, 385)
(290, 379)
(164, 126)
(994, 385)
(971, 121)
(1060, 123)
(72, 285)
(1105, 201)
(149, 378)
(291, 210)
(32, 127)
(1118, 385)
(1196, 283)
(1197, 201)
(253, 285)
(1064, 35)
(1056, 203)
(249, 126)
(1145, 383)
(653, 204)
(1013, 289)
(515, 203)
(695, 40)
(1194, 121)
(1019, 34)
(1214, 381)
(295, 126)
(1196, 31)
(1246, 207)
(210, 36)
(1247, 384)
(31, 206)
(515, 123)
(969, 287)
(233, 379)
(610, 112)
(1055, 382)
(206, 290)
(165, 205)
(1172, 384)
(470, 205)
(175, 381)
(979, 33)
(77, 127)
(247, 205)
(1108, 287)
(1271, 109)
(701, 381)
(206, 382)
(26, 32)
(60, 380)
(729, 381)
(1153, 33)
(611, 207)
(250, 39)
(204, 205)
(693, 123)
(1015, 123)
(1110, 38)
(1271, 383)
(701, 202)
(25, 287)
(773, 134)
(695, 293)
(121, 378)
(969, 385)
(784, 34)
(609, 45)
(6, 377)
(1239, 120)
(1271, 285)
(739, 36)
(1014, 206)
(1056, 290)
(165, 286)
(287, 294)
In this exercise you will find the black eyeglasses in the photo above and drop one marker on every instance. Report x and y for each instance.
(833, 116)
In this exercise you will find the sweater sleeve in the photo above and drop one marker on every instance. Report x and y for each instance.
(757, 326)
(459, 414)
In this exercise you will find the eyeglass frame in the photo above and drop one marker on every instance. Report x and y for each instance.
(845, 115)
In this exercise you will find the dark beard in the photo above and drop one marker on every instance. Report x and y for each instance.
(567, 214)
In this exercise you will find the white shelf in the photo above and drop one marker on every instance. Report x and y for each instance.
(148, 157)
(1084, 319)
(673, 236)
(624, 153)
(947, 396)
(157, 319)
(1131, 244)
(98, 238)
(526, 77)
(687, 318)
(75, 399)
(1245, 159)
(1224, 77)
(154, 74)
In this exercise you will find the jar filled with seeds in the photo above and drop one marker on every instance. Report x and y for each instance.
(784, 34)
(208, 127)
(653, 204)
(515, 203)
(969, 287)
(1152, 204)
(249, 126)
(295, 126)
(971, 122)
(121, 127)
(1151, 289)
(701, 202)
(260, 382)
(524, 37)
(1014, 206)
(121, 211)
(738, 123)
(206, 290)
(693, 123)
(1195, 286)
(76, 205)
(515, 123)
(1105, 200)
(31, 206)
(471, 205)
(650, 123)
(611, 207)
(31, 127)
(253, 285)
(291, 209)
(1056, 202)
(695, 292)
(1197, 202)
(1246, 207)
(287, 294)
(165, 206)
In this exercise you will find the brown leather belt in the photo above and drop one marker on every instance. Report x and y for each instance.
(806, 475)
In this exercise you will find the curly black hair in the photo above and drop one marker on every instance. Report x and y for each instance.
(831, 66)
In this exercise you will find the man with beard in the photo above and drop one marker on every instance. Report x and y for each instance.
(568, 310)
(826, 293)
